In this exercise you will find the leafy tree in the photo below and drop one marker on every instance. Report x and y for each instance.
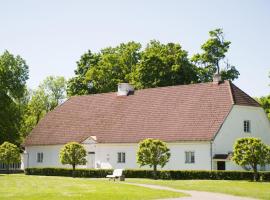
(213, 58)
(55, 88)
(265, 103)
(163, 65)
(50, 93)
(78, 85)
(251, 152)
(115, 65)
(157, 65)
(9, 153)
(36, 108)
(13, 76)
(73, 154)
(153, 152)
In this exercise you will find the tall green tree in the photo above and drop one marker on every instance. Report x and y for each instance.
(36, 108)
(213, 58)
(251, 152)
(163, 65)
(154, 153)
(156, 65)
(55, 88)
(50, 93)
(73, 154)
(115, 65)
(78, 85)
(265, 103)
(13, 76)
(9, 153)
(101, 72)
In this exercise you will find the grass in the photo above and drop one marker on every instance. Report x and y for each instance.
(21, 187)
(257, 190)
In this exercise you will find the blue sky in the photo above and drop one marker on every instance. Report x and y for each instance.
(52, 35)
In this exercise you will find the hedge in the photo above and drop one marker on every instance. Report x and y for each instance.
(190, 174)
(161, 174)
(88, 173)
(17, 171)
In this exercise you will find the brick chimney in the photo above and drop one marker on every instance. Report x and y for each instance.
(217, 79)
(125, 89)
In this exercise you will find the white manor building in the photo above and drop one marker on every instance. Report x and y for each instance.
(199, 122)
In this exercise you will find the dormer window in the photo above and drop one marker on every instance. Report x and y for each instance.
(247, 126)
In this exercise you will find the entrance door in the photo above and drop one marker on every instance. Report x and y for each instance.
(91, 160)
(221, 165)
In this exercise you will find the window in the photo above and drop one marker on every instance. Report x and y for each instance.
(121, 157)
(247, 126)
(39, 157)
(190, 157)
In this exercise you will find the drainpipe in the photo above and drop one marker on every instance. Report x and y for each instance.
(211, 154)
(27, 160)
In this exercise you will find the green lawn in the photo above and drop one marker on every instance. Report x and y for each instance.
(21, 187)
(238, 188)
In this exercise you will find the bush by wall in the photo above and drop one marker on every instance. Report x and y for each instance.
(191, 174)
(17, 171)
(88, 173)
(140, 173)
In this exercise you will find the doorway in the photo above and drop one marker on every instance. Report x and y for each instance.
(91, 159)
(221, 165)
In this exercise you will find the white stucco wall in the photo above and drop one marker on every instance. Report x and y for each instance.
(106, 155)
(233, 128)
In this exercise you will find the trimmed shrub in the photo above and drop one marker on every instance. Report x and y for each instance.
(190, 174)
(17, 171)
(88, 173)
(144, 173)
(265, 176)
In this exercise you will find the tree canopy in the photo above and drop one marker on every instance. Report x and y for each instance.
(73, 154)
(163, 65)
(213, 58)
(154, 66)
(264, 101)
(13, 76)
(9, 153)
(153, 152)
(251, 152)
(50, 93)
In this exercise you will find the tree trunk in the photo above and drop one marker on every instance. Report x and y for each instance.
(155, 172)
(256, 174)
(8, 168)
(73, 170)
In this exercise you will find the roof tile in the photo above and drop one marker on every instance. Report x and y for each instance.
(175, 113)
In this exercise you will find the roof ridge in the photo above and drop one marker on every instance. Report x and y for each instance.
(242, 98)
(231, 92)
(147, 89)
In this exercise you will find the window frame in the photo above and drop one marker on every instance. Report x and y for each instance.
(121, 157)
(247, 126)
(189, 157)
(40, 157)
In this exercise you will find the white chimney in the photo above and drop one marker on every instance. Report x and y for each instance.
(124, 89)
(217, 78)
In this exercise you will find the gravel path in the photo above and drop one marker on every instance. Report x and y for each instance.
(194, 194)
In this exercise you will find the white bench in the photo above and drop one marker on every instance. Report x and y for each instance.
(117, 173)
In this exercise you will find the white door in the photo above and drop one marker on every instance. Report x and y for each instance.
(91, 160)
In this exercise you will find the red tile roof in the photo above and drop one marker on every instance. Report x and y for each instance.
(175, 113)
